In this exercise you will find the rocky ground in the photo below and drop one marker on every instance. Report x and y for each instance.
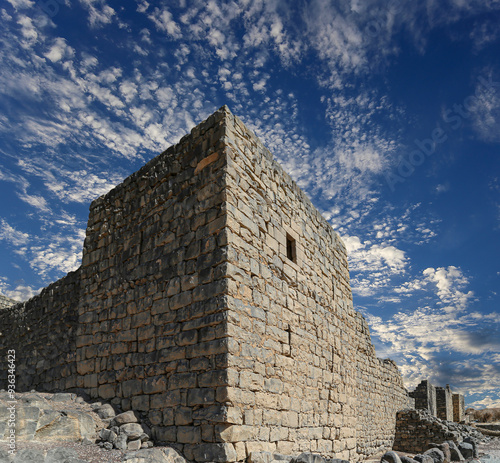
(69, 428)
(489, 452)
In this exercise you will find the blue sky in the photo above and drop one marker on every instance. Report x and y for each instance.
(387, 114)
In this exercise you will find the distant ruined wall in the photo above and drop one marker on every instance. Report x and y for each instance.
(458, 408)
(214, 298)
(425, 397)
(444, 403)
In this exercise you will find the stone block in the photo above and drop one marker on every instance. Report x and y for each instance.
(189, 434)
(218, 453)
(154, 384)
(165, 400)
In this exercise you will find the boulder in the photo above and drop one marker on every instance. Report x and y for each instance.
(69, 426)
(108, 435)
(405, 459)
(466, 449)
(470, 440)
(31, 455)
(436, 455)
(63, 397)
(61, 454)
(445, 448)
(105, 411)
(121, 442)
(125, 417)
(308, 458)
(132, 430)
(134, 444)
(390, 457)
(423, 459)
(454, 452)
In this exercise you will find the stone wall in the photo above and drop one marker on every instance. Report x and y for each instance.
(416, 429)
(444, 404)
(425, 397)
(214, 298)
(43, 333)
(153, 310)
(304, 372)
(458, 408)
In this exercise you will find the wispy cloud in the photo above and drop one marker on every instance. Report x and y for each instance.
(11, 235)
(20, 292)
(485, 108)
(99, 12)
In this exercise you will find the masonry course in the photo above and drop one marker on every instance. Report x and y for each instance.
(215, 299)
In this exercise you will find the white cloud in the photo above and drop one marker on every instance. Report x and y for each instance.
(21, 4)
(485, 108)
(59, 50)
(99, 13)
(142, 6)
(11, 235)
(163, 20)
(20, 293)
(449, 282)
(28, 30)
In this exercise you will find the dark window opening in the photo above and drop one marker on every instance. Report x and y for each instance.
(291, 251)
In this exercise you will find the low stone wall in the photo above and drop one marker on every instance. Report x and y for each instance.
(416, 429)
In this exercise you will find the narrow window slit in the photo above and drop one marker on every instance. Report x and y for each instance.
(291, 250)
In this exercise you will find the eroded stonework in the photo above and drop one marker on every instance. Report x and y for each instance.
(215, 298)
(5, 302)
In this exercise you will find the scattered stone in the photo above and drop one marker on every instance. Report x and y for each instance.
(471, 440)
(121, 442)
(445, 448)
(390, 457)
(466, 449)
(134, 444)
(133, 431)
(105, 411)
(405, 459)
(108, 435)
(424, 458)
(124, 418)
(436, 455)
(454, 452)
(308, 458)
(63, 397)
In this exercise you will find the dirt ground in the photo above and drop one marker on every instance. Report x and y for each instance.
(490, 452)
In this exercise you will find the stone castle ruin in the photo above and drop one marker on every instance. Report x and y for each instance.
(215, 299)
